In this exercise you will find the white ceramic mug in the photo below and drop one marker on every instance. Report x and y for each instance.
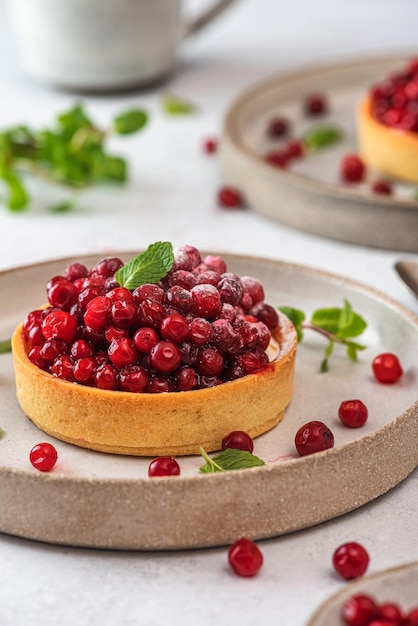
(102, 44)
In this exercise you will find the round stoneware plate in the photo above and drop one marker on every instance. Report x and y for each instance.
(101, 500)
(309, 195)
(398, 585)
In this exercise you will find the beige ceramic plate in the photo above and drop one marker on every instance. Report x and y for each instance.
(100, 500)
(309, 196)
(397, 585)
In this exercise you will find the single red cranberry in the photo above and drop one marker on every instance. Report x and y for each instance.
(412, 618)
(248, 331)
(60, 325)
(159, 383)
(43, 456)
(119, 293)
(84, 370)
(174, 327)
(245, 557)
(350, 560)
(391, 612)
(387, 368)
(145, 339)
(316, 104)
(186, 258)
(254, 288)
(277, 158)
(199, 331)
(209, 277)
(188, 353)
(53, 348)
(53, 281)
(359, 610)
(215, 263)
(97, 315)
(63, 294)
(230, 290)
(278, 126)
(179, 297)
(149, 291)
(252, 361)
(225, 337)
(89, 293)
(113, 332)
(106, 267)
(36, 336)
(186, 379)
(182, 278)
(265, 313)
(264, 336)
(106, 377)
(151, 313)
(63, 368)
(123, 313)
(75, 271)
(238, 440)
(81, 348)
(134, 379)
(382, 187)
(210, 145)
(122, 352)
(164, 466)
(165, 356)
(313, 437)
(353, 413)
(206, 300)
(230, 198)
(34, 318)
(209, 362)
(34, 356)
(205, 382)
(295, 149)
(353, 169)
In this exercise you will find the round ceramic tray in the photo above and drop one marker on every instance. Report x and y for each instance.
(100, 500)
(309, 195)
(398, 585)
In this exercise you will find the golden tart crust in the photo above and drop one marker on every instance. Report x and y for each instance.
(146, 424)
(389, 150)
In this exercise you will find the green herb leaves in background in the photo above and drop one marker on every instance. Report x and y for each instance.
(148, 267)
(321, 137)
(337, 325)
(229, 459)
(5, 346)
(173, 105)
(71, 153)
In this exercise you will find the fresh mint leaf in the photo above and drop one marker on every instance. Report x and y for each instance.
(327, 319)
(18, 198)
(321, 137)
(5, 346)
(173, 105)
(296, 316)
(63, 207)
(148, 267)
(130, 121)
(229, 459)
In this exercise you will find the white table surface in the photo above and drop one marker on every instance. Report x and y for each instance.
(172, 196)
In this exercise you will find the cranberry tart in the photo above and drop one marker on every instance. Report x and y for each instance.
(388, 125)
(158, 369)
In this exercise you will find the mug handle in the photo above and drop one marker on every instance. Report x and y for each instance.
(195, 25)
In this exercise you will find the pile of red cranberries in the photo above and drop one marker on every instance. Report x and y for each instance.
(394, 101)
(198, 327)
(363, 610)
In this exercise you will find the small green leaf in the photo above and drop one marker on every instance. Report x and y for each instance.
(229, 459)
(114, 169)
(148, 267)
(5, 346)
(63, 207)
(296, 316)
(173, 105)
(328, 319)
(1, 433)
(352, 351)
(130, 121)
(321, 137)
(18, 198)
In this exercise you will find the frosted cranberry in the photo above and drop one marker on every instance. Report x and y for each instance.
(183, 278)
(245, 558)
(60, 325)
(229, 198)
(165, 356)
(206, 382)
(225, 337)
(186, 379)
(313, 437)
(145, 339)
(238, 440)
(36, 336)
(226, 312)
(43, 456)
(278, 127)
(63, 294)
(353, 413)
(209, 277)
(159, 383)
(133, 379)
(34, 318)
(387, 368)
(186, 258)
(152, 292)
(209, 362)
(265, 313)
(277, 158)
(210, 145)
(163, 466)
(264, 336)
(249, 333)
(114, 332)
(316, 104)
(84, 370)
(119, 293)
(97, 315)
(89, 293)
(63, 368)
(254, 288)
(206, 300)
(382, 187)
(350, 560)
(353, 169)
(215, 263)
(359, 610)
(53, 348)
(179, 297)
(252, 361)
(74, 271)
(122, 352)
(81, 349)
(199, 331)
(106, 377)
(123, 313)
(34, 356)
(106, 267)
(390, 612)
(151, 313)
(188, 353)
(174, 327)
(295, 149)
(230, 290)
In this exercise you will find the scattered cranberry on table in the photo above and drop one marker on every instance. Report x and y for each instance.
(245, 557)
(210, 145)
(238, 440)
(387, 368)
(350, 560)
(313, 437)
(43, 456)
(316, 104)
(295, 149)
(230, 198)
(352, 169)
(353, 413)
(277, 158)
(382, 187)
(163, 466)
(278, 127)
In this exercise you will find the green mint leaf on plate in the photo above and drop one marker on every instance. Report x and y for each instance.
(63, 207)
(173, 105)
(130, 121)
(5, 346)
(229, 459)
(297, 317)
(321, 137)
(18, 197)
(148, 267)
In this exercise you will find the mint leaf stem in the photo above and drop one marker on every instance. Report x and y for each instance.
(5, 346)
(211, 462)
